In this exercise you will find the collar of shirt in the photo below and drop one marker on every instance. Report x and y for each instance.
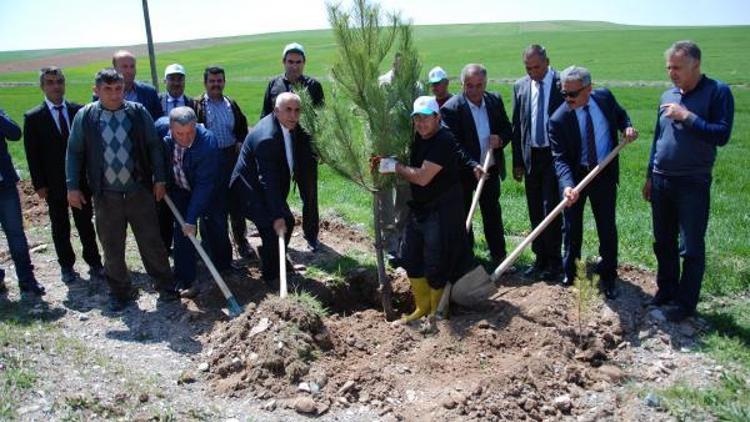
(51, 106)
(288, 147)
(224, 97)
(171, 99)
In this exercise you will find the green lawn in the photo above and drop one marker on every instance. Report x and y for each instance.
(612, 52)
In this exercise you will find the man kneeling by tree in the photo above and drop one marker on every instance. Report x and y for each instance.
(436, 246)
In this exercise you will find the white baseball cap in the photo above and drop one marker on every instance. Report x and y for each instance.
(174, 68)
(293, 48)
(425, 105)
(436, 75)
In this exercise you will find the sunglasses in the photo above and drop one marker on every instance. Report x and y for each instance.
(572, 94)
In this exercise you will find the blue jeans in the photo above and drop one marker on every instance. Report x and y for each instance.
(12, 223)
(680, 209)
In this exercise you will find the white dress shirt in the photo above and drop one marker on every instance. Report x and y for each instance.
(482, 123)
(55, 115)
(288, 148)
(547, 84)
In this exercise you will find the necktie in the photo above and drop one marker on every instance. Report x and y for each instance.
(64, 130)
(590, 139)
(539, 126)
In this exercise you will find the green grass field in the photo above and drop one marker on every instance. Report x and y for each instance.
(614, 54)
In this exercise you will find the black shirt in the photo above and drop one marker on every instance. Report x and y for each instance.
(281, 84)
(441, 149)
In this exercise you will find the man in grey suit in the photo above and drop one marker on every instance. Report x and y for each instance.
(535, 97)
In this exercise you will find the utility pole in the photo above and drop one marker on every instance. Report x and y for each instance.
(150, 41)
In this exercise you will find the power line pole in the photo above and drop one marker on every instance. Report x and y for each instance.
(150, 40)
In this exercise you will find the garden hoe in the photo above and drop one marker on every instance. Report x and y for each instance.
(234, 308)
(477, 285)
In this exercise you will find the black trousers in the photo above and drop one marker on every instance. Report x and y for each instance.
(603, 195)
(228, 159)
(489, 205)
(542, 196)
(308, 193)
(60, 220)
(166, 224)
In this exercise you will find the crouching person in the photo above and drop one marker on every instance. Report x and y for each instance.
(268, 163)
(193, 159)
(436, 246)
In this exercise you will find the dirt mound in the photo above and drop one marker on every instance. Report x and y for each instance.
(33, 208)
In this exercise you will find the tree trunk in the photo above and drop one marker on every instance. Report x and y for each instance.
(385, 282)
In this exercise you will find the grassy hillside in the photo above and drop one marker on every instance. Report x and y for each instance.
(612, 52)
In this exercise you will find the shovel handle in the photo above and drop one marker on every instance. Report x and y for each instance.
(282, 266)
(478, 191)
(510, 259)
(211, 268)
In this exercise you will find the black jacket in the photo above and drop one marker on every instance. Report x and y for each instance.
(565, 138)
(46, 148)
(457, 116)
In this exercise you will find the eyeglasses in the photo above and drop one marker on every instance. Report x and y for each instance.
(572, 94)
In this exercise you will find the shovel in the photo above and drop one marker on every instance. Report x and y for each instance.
(282, 265)
(234, 308)
(477, 285)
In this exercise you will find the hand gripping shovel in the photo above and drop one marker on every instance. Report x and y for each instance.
(477, 285)
(234, 308)
(282, 265)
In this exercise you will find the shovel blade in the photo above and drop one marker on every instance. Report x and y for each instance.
(473, 288)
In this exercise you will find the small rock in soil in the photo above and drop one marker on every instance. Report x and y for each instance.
(563, 403)
(652, 400)
(269, 406)
(305, 405)
(346, 387)
(186, 377)
(203, 367)
(143, 398)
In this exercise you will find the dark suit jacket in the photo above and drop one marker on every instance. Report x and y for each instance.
(46, 148)
(189, 102)
(200, 163)
(457, 116)
(565, 138)
(263, 171)
(522, 117)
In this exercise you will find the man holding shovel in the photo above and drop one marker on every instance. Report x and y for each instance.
(582, 132)
(436, 249)
(268, 163)
(193, 158)
(481, 127)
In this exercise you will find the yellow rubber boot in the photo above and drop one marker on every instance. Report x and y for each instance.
(421, 291)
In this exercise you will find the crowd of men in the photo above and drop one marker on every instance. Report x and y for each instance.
(115, 159)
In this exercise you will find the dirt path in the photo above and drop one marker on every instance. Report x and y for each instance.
(516, 358)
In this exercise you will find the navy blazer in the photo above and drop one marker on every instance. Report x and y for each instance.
(148, 97)
(10, 130)
(263, 170)
(46, 148)
(200, 163)
(522, 117)
(457, 116)
(189, 102)
(565, 138)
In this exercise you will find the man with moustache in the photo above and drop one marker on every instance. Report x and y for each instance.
(223, 117)
(269, 161)
(46, 129)
(293, 58)
(535, 97)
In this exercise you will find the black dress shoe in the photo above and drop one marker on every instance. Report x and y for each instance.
(610, 292)
(661, 299)
(532, 271)
(120, 303)
(68, 275)
(678, 314)
(567, 281)
(313, 245)
(33, 288)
